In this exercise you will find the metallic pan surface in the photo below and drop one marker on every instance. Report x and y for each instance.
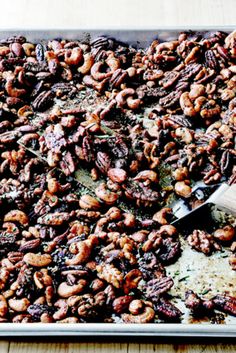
(137, 38)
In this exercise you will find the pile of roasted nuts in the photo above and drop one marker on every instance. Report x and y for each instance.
(70, 253)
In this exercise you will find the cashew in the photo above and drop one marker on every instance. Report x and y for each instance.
(131, 280)
(28, 48)
(96, 72)
(168, 229)
(84, 251)
(169, 46)
(147, 316)
(16, 216)
(121, 96)
(133, 103)
(91, 82)
(88, 63)
(160, 216)
(66, 291)
(181, 173)
(4, 50)
(19, 305)
(37, 260)
(113, 62)
(73, 56)
(136, 306)
(13, 91)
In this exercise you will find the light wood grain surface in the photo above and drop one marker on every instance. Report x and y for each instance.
(26, 14)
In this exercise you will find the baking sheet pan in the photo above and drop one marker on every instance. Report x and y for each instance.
(138, 38)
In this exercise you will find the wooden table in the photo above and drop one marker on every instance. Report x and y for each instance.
(26, 14)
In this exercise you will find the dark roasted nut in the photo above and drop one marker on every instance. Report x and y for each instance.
(198, 306)
(167, 311)
(226, 304)
(121, 304)
(67, 256)
(158, 286)
(43, 101)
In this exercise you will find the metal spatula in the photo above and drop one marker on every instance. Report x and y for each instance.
(224, 198)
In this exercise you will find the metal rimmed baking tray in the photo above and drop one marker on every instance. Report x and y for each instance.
(138, 38)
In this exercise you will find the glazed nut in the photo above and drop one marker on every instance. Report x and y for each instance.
(3, 306)
(182, 189)
(136, 306)
(104, 194)
(184, 134)
(66, 291)
(19, 305)
(225, 234)
(16, 216)
(146, 316)
(37, 260)
(196, 91)
(121, 304)
(117, 175)
(88, 202)
(161, 215)
(232, 261)
(82, 251)
(181, 173)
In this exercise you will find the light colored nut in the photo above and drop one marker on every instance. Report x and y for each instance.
(16, 216)
(225, 234)
(66, 291)
(182, 189)
(187, 105)
(19, 305)
(110, 274)
(136, 306)
(147, 316)
(3, 306)
(83, 251)
(184, 134)
(88, 202)
(147, 175)
(180, 173)
(161, 215)
(69, 320)
(37, 260)
(196, 91)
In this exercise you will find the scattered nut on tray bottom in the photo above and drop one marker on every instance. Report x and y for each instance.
(71, 250)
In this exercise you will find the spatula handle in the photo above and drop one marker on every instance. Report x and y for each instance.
(226, 199)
